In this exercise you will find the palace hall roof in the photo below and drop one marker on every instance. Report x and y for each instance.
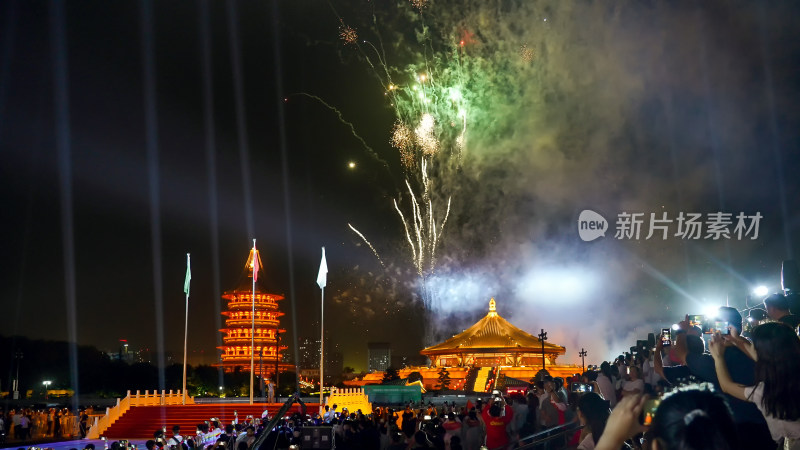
(492, 334)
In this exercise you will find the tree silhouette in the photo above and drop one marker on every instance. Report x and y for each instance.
(444, 379)
(390, 375)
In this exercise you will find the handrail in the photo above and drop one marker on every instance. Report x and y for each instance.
(548, 435)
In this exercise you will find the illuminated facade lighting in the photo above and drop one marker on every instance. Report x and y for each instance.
(236, 348)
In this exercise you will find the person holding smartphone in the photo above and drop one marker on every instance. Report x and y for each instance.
(497, 423)
(552, 405)
(775, 391)
(635, 384)
(749, 421)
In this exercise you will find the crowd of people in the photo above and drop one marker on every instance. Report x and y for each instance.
(695, 389)
(731, 385)
(25, 424)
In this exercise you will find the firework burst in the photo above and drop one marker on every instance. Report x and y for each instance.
(431, 105)
(525, 53)
(419, 4)
(425, 137)
(348, 35)
(443, 90)
(402, 140)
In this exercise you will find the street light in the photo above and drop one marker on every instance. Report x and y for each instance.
(543, 337)
(46, 384)
(18, 358)
(583, 354)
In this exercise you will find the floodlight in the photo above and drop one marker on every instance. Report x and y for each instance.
(761, 291)
(711, 311)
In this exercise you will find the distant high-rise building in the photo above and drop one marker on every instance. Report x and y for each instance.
(308, 353)
(125, 353)
(379, 356)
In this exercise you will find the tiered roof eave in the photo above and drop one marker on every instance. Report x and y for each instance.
(492, 333)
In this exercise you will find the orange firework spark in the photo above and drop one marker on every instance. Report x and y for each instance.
(525, 53)
(407, 158)
(402, 140)
(348, 34)
(424, 135)
(419, 4)
(401, 135)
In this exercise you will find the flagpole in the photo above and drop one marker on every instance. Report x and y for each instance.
(321, 282)
(253, 320)
(186, 327)
(321, 349)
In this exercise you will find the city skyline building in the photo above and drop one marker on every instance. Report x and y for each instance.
(379, 356)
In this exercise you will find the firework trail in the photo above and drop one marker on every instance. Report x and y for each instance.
(377, 255)
(350, 125)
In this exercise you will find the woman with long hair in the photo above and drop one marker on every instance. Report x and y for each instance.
(605, 382)
(776, 393)
(593, 414)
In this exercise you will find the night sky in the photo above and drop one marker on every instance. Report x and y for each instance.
(645, 107)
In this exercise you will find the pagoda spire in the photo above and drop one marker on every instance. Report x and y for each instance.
(492, 307)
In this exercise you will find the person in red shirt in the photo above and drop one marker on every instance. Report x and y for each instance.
(497, 415)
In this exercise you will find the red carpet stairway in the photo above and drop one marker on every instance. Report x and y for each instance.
(140, 422)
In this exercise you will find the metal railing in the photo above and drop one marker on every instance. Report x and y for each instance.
(555, 437)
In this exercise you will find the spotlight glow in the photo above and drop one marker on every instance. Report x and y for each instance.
(711, 311)
(761, 291)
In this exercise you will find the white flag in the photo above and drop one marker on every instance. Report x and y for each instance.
(323, 271)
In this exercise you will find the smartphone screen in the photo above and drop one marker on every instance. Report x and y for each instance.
(722, 327)
(696, 319)
(666, 337)
(649, 411)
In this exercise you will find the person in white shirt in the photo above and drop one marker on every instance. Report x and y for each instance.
(635, 384)
(776, 352)
(176, 441)
(606, 385)
(330, 413)
(249, 436)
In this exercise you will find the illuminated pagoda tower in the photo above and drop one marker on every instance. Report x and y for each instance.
(236, 349)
